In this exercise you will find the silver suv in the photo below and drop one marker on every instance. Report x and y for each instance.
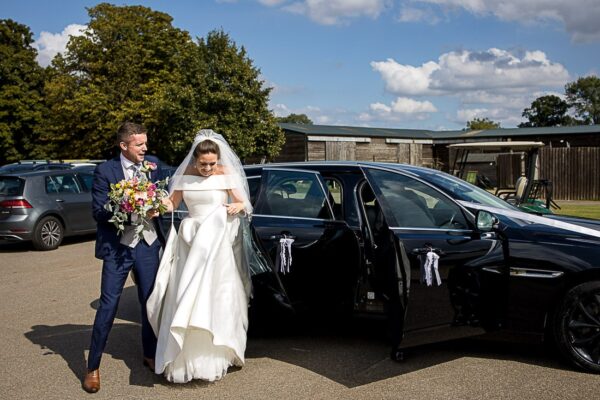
(45, 206)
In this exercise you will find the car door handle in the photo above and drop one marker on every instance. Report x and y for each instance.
(282, 236)
(425, 250)
(60, 201)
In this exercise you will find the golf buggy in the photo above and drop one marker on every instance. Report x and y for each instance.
(529, 193)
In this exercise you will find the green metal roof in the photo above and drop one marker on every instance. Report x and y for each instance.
(512, 132)
(355, 131)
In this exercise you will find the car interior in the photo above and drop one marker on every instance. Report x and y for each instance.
(379, 240)
(296, 198)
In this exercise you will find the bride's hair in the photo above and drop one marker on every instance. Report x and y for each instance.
(205, 147)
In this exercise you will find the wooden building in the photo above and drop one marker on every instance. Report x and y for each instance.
(325, 142)
(571, 156)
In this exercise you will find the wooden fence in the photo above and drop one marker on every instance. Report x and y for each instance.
(574, 172)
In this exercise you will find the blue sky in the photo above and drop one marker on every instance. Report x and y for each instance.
(426, 64)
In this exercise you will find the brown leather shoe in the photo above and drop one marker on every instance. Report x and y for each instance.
(149, 362)
(91, 382)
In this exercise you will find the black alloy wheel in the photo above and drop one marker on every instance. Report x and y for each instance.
(48, 234)
(577, 326)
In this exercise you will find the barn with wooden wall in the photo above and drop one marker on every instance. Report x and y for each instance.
(325, 142)
(573, 169)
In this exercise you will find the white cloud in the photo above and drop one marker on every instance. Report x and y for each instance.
(281, 110)
(464, 71)
(331, 12)
(404, 105)
(580, 17)
(405, 79)
(401, 109)
(497, 84)
(49, 44)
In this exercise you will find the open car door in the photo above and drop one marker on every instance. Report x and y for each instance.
(315, 257)
(449, 282)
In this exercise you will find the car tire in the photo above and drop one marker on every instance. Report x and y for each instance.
(577, 326)
(48, 234)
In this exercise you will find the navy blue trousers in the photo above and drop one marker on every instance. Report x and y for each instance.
(143, 259)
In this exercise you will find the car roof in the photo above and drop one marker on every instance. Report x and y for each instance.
(46, 172)
(310, 164)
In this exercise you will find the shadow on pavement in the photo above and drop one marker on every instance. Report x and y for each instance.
(352, 354)
(124, 342)
(358, 354)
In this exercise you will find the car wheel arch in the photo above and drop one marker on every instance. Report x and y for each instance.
(56, 215)
(572, 280)
(566, 326)
(39, 243)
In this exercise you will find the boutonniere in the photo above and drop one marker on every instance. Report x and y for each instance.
(148, 166)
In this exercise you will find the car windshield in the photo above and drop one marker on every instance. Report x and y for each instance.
(10, 186)
(461, 190)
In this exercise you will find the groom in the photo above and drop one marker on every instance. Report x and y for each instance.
(120, 254)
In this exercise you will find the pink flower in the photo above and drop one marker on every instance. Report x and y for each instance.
(149, 166)
(125, 206)
(141, 196)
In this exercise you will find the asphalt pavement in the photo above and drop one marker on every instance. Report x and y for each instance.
(47, 308)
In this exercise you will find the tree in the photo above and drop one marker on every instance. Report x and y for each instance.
(584, 96)
(236, 101)
(295, 119)
(477, 124)
(130, 64)
(548, 110)
(21, 85)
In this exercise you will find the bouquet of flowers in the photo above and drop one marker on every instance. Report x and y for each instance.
(133, 199)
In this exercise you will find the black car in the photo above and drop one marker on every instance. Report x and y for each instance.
(44, 206)
(441, 257)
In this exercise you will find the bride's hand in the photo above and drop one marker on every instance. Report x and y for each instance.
(234, 208)
(167, 202)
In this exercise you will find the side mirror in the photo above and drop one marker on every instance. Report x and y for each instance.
(486, 221)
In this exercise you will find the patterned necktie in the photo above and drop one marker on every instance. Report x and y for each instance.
(137, 174)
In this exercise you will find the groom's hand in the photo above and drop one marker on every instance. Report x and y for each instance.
(152, 214)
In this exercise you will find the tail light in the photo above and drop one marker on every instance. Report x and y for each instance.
(15, 204)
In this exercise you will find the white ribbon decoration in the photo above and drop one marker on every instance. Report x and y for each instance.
(431, 265)
(285, 254)
(523, 216)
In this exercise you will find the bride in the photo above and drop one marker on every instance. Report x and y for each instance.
(199, 306)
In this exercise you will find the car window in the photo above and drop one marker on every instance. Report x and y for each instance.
(415, 204)
(253, 185)
(62, 184)
(294, 194)
(335, 196)
(88, 181)
(11, 186)
(461, 190)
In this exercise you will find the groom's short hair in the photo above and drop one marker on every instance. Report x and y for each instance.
(128, 129)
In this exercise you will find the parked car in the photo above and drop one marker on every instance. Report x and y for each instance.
(23, 166)
(370, 238)
(44, 206)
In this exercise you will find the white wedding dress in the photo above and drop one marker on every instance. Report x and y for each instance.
(199, 306)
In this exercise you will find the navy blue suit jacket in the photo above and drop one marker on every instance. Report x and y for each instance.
(107, 240)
